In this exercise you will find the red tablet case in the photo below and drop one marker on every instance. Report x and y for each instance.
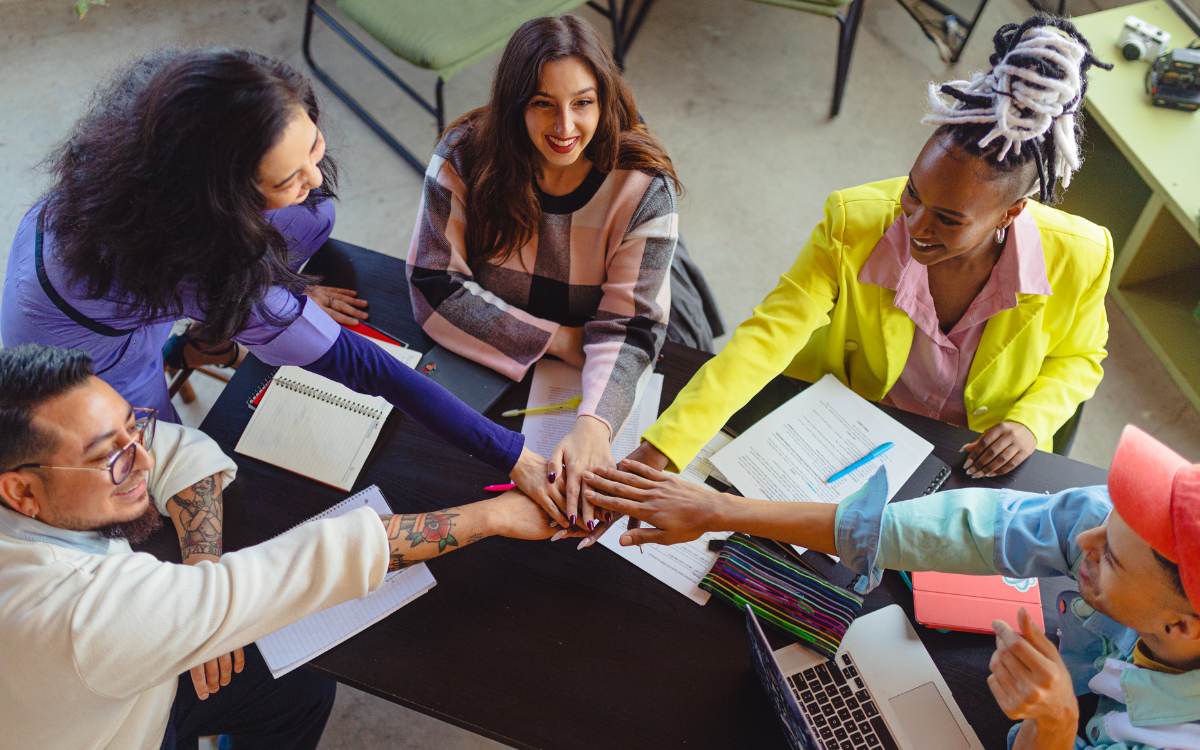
(971, 603)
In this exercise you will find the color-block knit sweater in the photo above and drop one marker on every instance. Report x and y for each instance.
(601, 259)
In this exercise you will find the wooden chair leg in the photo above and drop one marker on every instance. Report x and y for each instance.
(187, 394)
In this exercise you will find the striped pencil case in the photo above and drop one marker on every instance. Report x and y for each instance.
(752, 571)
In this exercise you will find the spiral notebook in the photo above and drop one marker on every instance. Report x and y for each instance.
(310, 425)
(294, 645)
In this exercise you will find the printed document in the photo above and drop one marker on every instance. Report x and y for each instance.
(790, 453)
(680, 566)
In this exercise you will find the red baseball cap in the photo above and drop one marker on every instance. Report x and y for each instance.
(1157, 492)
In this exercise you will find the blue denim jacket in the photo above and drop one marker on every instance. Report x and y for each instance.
(1025, 535)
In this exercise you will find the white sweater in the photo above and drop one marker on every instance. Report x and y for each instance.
(94, 636)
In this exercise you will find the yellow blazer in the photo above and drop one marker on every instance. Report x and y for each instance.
(1035, 363)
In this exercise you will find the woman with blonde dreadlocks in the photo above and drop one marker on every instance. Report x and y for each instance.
(956, 292)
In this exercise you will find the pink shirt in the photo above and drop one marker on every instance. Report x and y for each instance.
(936, 370)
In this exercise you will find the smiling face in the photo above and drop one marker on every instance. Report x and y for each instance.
(563, 113)
(953, 204)
(288, 171)
(86, 425)
(1120, 576)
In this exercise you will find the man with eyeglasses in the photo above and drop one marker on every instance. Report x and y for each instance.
(110, 635)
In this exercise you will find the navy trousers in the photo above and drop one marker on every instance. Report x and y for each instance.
(257, 711)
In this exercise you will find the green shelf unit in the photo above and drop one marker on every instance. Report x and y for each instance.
(1161, 310)
(1142, 181)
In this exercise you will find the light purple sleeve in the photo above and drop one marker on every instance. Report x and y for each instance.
(305, 340)
(304, 228)
(284, 329)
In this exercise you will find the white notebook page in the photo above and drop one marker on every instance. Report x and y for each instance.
(327, 437)
(296, 644)
(554, 382)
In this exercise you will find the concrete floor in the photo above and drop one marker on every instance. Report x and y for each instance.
(737, 91)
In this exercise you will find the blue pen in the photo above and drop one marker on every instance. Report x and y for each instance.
(874, 454)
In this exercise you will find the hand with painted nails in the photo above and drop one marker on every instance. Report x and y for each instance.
(531, 474)
(999, 450)
(678, 509)
(1030, 681)
(586, 447)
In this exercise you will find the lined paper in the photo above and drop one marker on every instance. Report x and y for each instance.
(315, 427)
(296, 644)
(555, 381)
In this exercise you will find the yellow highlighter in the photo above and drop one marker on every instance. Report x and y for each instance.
(568, 405)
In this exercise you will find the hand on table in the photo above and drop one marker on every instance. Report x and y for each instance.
(343, 305)
(679, 510)
(999, 450)
(1030, 681)
(532, 474)
(586, 447)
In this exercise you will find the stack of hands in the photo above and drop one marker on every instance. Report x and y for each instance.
(581, 491)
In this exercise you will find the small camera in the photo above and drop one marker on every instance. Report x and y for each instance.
(1141, 41)
(1173, 81)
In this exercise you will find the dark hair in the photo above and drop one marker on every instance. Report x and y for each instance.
(503, 212)
(974, 119)
(1172, 571)
(156, 188)
(30, 375)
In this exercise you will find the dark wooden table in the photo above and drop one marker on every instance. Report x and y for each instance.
(535, 644)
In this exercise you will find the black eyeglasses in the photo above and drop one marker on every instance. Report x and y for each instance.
(119, 465)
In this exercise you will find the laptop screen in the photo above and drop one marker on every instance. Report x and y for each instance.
(772, 679)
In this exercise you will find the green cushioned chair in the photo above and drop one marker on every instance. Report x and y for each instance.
(847, 30)
(444, 36)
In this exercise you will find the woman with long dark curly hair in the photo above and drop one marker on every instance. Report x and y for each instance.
(549, 226)
(196, 186)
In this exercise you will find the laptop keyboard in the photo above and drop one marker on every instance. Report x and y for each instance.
(839, 708)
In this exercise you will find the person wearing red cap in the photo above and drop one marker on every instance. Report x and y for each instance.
(1130, 634)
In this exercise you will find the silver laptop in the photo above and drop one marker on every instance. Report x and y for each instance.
(881, 690)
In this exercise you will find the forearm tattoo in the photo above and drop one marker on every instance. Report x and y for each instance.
(415, 529)
(197, 512)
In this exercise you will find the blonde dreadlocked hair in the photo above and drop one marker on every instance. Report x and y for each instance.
(1024, 108)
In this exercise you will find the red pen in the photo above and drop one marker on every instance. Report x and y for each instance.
(500, 487)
